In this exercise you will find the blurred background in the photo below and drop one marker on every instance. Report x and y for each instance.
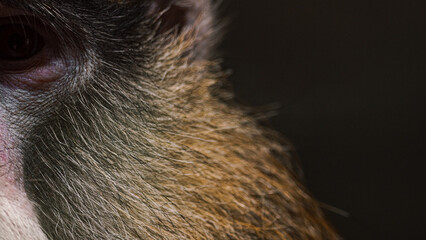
(350, 78)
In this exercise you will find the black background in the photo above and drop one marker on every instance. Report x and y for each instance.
(350, 79)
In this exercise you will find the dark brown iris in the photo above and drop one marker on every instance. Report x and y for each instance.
(19, 42)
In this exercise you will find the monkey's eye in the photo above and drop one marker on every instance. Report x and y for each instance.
(29, 52)
(19, 42)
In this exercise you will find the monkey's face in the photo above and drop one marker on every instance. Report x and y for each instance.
(112, 126)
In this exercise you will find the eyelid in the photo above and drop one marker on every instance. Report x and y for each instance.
(42, 74)
(26, 19)
(10, 12)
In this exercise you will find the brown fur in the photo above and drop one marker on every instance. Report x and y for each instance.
(151, 147)
(194, 168)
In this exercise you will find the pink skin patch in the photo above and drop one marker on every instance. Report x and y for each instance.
(11, 185)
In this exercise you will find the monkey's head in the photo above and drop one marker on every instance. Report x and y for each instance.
(112, 126)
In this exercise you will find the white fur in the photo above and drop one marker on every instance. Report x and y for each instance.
(16, 223)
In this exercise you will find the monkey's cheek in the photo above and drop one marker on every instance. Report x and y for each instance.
(8, 166)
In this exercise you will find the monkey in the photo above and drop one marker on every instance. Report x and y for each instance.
(114, 124)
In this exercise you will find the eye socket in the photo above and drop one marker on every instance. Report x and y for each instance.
(19, 42)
